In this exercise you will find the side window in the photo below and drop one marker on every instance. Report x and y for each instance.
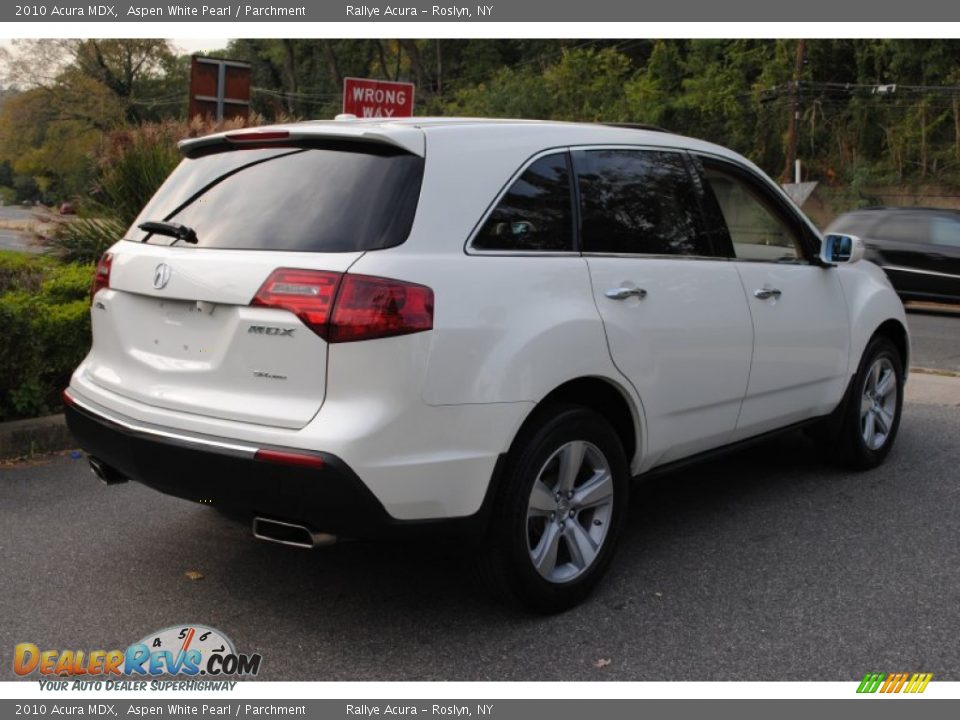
(945, 231)
(756, 230)
(904, 227)
(536, 212)
(639, 202)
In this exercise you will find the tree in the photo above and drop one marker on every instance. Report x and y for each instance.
(71, 92)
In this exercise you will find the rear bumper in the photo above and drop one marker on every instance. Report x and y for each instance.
(226, 474)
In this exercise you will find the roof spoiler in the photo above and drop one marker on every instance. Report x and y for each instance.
(406, 138)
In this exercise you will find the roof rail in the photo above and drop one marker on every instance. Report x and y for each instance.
(636, 126)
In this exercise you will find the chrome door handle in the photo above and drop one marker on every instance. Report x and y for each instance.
(622, 293)
(765, 293)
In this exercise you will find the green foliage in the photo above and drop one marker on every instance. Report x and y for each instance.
(67, 283)
(20, 271)
(136, 167)
(29, 400)
(584, 85)
(25, 189)
(44, 310)
(84, 240)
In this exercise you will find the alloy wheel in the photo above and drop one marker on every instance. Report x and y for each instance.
(569, 511)
(878, 404)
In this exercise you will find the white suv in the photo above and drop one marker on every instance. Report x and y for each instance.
(486, 328)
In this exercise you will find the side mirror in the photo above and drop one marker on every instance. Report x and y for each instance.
(842, 249)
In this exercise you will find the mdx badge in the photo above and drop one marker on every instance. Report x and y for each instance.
(270, 330)
(161, 276)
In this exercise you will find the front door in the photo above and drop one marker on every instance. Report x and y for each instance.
(801, 327)
(675, 315)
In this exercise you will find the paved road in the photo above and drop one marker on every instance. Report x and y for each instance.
(767, 565)
(13, 239)
(935, 334)
(15, 212)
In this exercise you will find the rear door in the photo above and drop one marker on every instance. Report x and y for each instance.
(182, 326)
(675, 316)
(801, 339)
(900, 242)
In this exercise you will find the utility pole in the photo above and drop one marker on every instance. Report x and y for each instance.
(794, 114)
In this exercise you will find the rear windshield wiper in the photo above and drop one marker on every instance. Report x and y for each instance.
(174, 230)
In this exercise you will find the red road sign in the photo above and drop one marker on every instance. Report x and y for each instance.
(377, 98)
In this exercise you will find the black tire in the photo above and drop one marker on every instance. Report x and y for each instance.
(551, 440)
(853, 449)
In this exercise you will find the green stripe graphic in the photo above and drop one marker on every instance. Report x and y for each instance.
(871, 683)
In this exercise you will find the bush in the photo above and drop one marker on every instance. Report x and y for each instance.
(137, 167)
(44, 310)
(84, 240)
(19, 271)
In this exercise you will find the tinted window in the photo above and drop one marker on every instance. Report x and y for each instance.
(945, 231)
(903, 227)
(853, 223)
(339, 197)
(535, 213)
(639, 201)
(757, 231)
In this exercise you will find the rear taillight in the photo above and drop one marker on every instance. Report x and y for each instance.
(101, 277)
(373, 307)
(308, 294)
(347, 308)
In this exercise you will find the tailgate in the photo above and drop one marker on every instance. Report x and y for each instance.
(196, 345)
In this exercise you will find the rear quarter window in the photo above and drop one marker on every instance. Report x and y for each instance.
(329, 197)
(536, 212)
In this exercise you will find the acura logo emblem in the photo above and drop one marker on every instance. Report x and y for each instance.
(161, 276)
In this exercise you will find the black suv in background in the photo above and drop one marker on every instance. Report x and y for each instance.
(918, 248)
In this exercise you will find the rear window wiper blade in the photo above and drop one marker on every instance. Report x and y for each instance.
(174, 230)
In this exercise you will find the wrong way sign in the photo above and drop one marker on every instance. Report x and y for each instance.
(377, 98)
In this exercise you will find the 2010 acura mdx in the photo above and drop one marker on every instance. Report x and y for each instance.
(486, 328)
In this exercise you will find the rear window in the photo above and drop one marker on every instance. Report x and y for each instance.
(333, 197)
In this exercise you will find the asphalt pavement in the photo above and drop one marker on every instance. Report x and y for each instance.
(14, 239)
(766, 565)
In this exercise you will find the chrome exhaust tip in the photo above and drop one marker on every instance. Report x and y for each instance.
(106, 474)
(292, 534)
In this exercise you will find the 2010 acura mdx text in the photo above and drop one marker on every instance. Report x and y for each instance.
(481, 328)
